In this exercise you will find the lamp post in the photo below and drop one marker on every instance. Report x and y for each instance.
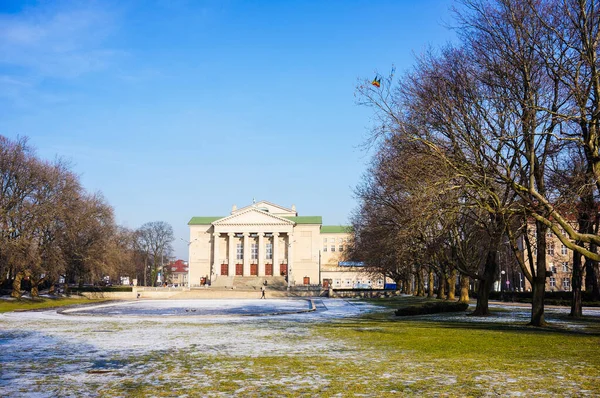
(189, 242)
(501, 284)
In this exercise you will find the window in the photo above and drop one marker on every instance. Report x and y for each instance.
(341, 248)
(324, 248)
(324, 244)
(240, 251)
(254, 251)
(565, 267)
(348, 282)
(566, 283)
(552, 281)
(550, 249)
(337, 282)
(333, 247)
(552, 268)
(269, 251)
(563, 250)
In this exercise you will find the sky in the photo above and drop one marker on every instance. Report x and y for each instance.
(173, 109)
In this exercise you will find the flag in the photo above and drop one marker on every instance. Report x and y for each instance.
(376, 82)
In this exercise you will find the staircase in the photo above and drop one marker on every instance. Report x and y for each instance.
(222, 281)
(255, 282)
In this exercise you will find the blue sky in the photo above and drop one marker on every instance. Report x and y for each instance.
(174, 109)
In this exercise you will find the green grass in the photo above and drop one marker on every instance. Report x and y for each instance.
(41, 303)
(382, 355)
(378, 354)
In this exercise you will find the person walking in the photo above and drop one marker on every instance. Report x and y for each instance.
(262, 289)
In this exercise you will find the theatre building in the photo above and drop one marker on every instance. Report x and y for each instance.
(267, 240)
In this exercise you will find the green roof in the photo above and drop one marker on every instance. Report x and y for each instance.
(203, 220)
(335, 229)
(306, 219)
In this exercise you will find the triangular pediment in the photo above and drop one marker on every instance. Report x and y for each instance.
(253, 216)
(268, 207)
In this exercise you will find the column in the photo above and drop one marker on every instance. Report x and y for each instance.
(261, 254)
(246, 254)
(216, 268)
(276, 254)
(232, 254)
(290, 257)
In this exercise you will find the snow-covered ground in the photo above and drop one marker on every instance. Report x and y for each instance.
(50, 348)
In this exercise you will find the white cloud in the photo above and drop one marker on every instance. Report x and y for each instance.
(56, 41)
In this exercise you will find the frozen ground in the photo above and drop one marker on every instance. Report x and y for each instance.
(47, 353)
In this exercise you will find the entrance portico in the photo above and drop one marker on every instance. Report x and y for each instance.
(260, 240)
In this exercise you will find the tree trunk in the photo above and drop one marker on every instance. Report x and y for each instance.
(539, 280)
(420, 284)
(486, 284)
(591, 277)
(452, 285)
(430, 291)
(576, 282)
(464, 289)
(442, 287)
(16, 286)
(407, 286)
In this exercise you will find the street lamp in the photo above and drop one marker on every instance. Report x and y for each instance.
(501, 284)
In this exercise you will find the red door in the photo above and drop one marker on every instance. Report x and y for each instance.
(325, 283)
(224, 269)
(306, 280)
(283, 270)
(239, 269)
(253, 269)
(268, 269)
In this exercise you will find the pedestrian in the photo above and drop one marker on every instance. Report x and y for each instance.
(262, 289)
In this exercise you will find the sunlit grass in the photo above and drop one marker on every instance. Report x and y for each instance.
(41, 303)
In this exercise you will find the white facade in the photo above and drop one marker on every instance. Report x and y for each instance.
(264, 240)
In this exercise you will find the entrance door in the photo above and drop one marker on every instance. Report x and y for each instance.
(283, 270)
(268, 269)
(239, 269)
(307, 280)
(224, 269)
(325, 283)
(253, 269)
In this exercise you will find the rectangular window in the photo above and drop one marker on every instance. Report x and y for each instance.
(550, 249)
(240, 251)
(565, 267)
(269, 251)
(324, 248)
(552, 268)
(337, 282)
(324, 240)
(341, 248)
(333, 248)
(254, 251)
(552, 281)
(348, 282)
(566, 283)
(563, 250)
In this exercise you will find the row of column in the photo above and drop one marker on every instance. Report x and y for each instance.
(232, 255)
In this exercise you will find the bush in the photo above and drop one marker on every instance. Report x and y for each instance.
(432, 308)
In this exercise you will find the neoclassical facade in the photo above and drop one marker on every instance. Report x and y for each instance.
(264, 240)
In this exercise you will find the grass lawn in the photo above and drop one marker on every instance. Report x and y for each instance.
(374, 355)
(41, 303)
(381, 355)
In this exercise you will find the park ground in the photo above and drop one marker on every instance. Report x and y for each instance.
(347, 348)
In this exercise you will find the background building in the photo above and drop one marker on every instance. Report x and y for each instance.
(267, 240)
